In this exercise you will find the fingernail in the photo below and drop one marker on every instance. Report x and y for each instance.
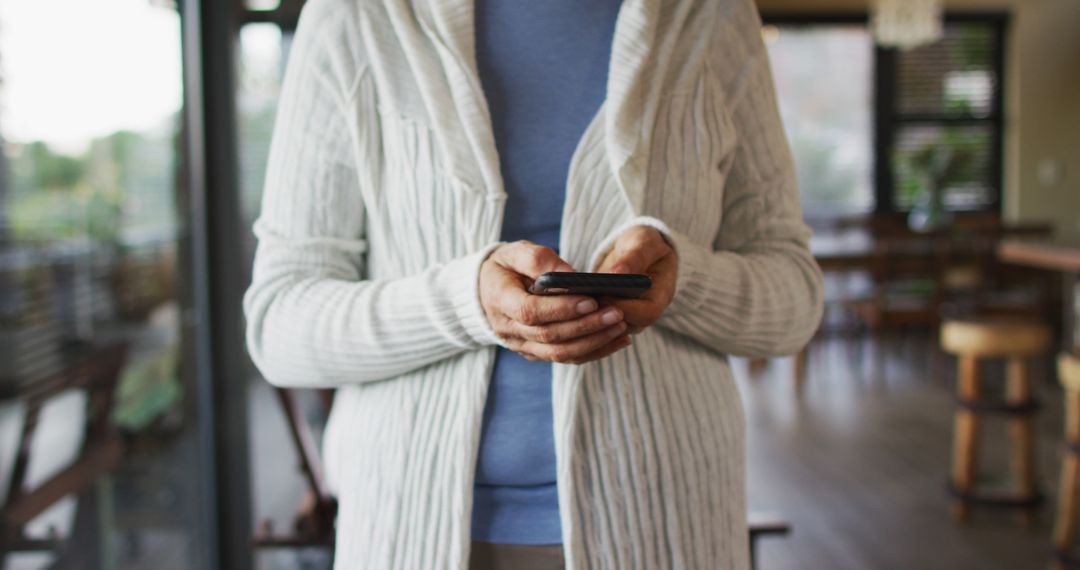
(586, 306)
(611, 317)
(618, 329)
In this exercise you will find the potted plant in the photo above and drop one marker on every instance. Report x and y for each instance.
(926, 173)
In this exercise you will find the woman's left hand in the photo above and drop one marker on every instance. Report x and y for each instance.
(642, 249)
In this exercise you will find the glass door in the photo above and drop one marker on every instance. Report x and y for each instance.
(101, 465)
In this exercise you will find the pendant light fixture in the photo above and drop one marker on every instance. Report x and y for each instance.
(907, 24)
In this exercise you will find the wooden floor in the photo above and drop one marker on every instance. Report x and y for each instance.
(858, 462)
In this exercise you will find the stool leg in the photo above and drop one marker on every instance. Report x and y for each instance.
(799, 365)
(1065, 527)
(1022, 435)
(966, 436)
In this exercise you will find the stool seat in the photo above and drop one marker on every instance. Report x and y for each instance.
(1069, 371)
(996, 337)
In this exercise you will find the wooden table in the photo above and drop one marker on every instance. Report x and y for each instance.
(1058, 256)
(854, 248)
(858, 249)
(1062, 256)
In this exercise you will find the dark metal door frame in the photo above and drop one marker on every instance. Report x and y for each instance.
(221, 368)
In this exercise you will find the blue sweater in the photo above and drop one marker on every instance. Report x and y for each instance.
(543, 66)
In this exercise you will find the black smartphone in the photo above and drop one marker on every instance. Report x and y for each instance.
(626, 285)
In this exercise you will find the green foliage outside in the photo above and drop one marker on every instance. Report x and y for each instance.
(122, 184)
(940, 158)
(52, 171)
(149, 387)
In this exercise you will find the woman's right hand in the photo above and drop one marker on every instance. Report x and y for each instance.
(571, 329)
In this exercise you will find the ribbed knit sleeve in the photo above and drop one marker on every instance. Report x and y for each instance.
(756, 290)
(313, 318)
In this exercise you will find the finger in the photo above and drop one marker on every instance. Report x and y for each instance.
(516, 304)
(567, 351)
(536, 310)
(607, 262)
(563, 331)
(631, 260)
(517, 345)
(636, 312)
(530, 259)
(504, 327)
(639, 259)
(610, 348)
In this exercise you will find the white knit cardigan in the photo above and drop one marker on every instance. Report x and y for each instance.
(383, 197)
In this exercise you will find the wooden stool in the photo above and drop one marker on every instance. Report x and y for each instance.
(971, 341)
(1065, 527)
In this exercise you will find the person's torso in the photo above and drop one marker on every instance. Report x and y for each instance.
(543, 66)
(399, 454)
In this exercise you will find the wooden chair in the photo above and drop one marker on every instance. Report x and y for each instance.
(916, 274)
(919, 279)
(1065, 527)
(972, 341)
(973, 278)
(905, 271)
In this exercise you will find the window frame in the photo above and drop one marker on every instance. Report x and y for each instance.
(888, 120)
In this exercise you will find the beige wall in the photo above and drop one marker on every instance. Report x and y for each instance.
(1043, 102)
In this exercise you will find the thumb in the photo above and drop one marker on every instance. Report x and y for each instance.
(627, 261)
(531, 260)
(614, 262)
(638, 255)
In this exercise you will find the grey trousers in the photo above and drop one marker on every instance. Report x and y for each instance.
(490, 556)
